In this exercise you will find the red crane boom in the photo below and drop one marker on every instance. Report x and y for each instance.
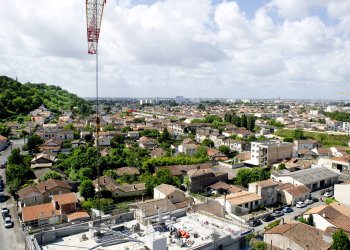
(94, 12)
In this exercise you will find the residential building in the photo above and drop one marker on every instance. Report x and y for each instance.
(147, 143)
(128, 171)
(50, 213)
(188, 148)
(236, 145)
(202, 178)
(269, 152)
(306, 144)
(297, 236)
(240, 203)
(57, 130)
(313, 178)
(43, 160)
(290, 194)
(52, 145)
(42, 192)
(181, 170)
(170, 192)
(267, 189)
(334, 215)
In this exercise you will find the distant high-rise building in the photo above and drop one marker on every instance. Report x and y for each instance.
(179, 99)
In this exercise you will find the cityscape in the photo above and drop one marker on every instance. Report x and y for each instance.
(169, 125)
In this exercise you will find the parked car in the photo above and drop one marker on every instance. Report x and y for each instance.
(268, 218)
(8, 223)
(300, 204)
(287, 210)
(3, 165)
(328, 194)
(6, 215)
(308, 201)
(254, 222)
(277, 213)
(5, 210)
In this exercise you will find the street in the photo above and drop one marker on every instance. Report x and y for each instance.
(289, 216)
(10, 238)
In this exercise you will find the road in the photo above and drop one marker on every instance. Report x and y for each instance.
(10, 238)
(289, 216)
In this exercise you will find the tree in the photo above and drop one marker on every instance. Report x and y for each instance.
(310, 220)
(207, 143)
(281, 166)
(108, 127)
(165, 137)
(224, 149)
(201, 106)
(249, 175)
(259, 245)
(340, 240)
(34, 141)
(51, 175)
(244, 122)
(117, 141)
(298, 134)
(4, 130)
(251, 123)
(187, 183)
(86, 173)
(87, 189)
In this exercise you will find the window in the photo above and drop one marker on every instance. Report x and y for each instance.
(34, 199)
(60, 192)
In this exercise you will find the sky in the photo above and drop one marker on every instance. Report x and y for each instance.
(192, 48)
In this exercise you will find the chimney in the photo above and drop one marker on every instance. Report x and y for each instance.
(198, 167)
(135, 187)
(45, 188)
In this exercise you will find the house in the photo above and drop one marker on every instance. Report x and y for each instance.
(297, 235)
(133, 135)
(128, 171)
(202, 178)
(313, 178)
(43, 192)
(181, 170)
(290, 194)
(170, 192)
(50, 213)
(147, 143)
(236, 145)
(43, 160)
(203, 133)
(188, 147)
(223, 188)
(52, 145)
(341, 192)
(268, 152)
(157, 152)
(306, 144)
(322, 151)
(267, 189)
(40, 172)
(66, 203)
(240, 203)
(334, 215)
(57, 130)
(216, 155)
(41, 215)
(117, 190)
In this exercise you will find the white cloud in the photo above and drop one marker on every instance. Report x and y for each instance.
(190, 48)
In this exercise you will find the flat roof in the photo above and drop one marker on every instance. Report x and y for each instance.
(198, 223)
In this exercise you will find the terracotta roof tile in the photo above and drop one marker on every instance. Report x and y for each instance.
(78, 215)
(42, 211)
(67, 198)
(50, 184)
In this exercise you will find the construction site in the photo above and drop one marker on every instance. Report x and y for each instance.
(198, 230)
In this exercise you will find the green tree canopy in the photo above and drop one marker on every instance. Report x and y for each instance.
(340, 240)
(87, 189)
(51, 175)
(249, 175)
(207, 143)
(5, 130)
(34, 141)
